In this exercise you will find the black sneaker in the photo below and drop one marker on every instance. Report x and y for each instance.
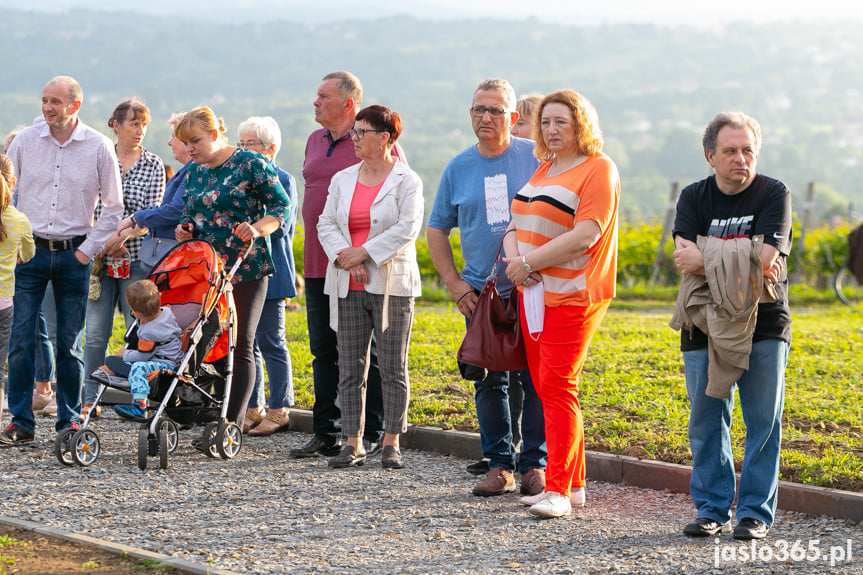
(347, 457)
(749, 528)
(314, 448)
(15, 435)
(704, 527)
(478, 467)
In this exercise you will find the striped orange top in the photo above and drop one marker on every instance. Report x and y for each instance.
(547, 207)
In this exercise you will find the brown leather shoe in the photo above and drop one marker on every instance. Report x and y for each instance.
(497, 482)
(275, 421)
(533, 482)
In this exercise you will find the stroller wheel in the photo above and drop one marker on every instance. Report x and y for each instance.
(209, 440)
(63, 445)
(229, 440)
(172, 433)
(85, 447)
(164, 448)
(143, 445)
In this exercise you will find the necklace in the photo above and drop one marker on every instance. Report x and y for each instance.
(559, 166)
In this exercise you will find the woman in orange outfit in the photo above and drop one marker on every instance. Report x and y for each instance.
(563, 257)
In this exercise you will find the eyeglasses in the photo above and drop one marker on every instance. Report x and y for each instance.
(360, 133)
(479, 112)
(250, 144)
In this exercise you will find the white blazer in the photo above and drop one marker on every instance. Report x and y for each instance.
(396, 219)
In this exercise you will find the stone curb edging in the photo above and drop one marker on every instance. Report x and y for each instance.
(184, 565)
(644, 473)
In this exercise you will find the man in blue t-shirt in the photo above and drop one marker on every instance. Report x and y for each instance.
(736, 202)
(474, 195)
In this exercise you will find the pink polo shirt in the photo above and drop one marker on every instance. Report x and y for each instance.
(323, 159)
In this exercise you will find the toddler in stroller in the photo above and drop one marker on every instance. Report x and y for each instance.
(158, 347)
(193, 287)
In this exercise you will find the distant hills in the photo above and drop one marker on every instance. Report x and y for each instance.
(654, 87)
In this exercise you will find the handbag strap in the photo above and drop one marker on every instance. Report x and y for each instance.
(493, 274)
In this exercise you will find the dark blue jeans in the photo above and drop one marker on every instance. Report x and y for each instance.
(326, 414)
(70, 280)
(492, 412)
(46, 335)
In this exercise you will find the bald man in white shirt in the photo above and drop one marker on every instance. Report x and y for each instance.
(64, 168)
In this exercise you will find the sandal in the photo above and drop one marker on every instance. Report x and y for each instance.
(41, 400)
(254, 416)
(275, 421)
(87, 407)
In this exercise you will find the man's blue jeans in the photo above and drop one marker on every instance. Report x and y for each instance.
(326, 415)
(271, 346)
(100, 323)
(495, 432)
(70, 278)
(46, 334)
(495, 424)
(762, 396)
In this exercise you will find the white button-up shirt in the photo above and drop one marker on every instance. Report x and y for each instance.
(60, 184)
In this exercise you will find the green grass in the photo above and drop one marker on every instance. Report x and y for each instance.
(8, 560)
(633, 392)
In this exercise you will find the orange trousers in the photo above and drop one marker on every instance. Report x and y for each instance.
(555, 359)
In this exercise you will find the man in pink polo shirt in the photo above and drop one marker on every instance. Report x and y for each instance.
(330, 150)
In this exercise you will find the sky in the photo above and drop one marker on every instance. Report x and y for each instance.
(669, 12)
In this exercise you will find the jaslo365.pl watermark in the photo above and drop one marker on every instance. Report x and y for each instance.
(781, 550)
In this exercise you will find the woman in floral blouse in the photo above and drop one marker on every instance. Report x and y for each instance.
(232, 196)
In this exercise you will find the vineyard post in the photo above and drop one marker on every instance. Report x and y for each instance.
(800, 248)
(666, 232)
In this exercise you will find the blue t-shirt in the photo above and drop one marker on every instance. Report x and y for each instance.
(474, 195)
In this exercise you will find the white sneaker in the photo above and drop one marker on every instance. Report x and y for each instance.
(576, 497)
(552, 505)
(532, 499)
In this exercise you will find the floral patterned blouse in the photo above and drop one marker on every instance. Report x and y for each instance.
(243, 188)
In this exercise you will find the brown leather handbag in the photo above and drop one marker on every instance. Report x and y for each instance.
(493, 339)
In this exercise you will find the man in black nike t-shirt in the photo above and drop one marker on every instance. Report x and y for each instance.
(737, 202)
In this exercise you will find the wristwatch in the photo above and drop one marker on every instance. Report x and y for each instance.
(526, 265)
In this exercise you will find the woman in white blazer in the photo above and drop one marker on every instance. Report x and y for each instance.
(368, 228)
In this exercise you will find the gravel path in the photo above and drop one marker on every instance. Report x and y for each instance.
(265, 513)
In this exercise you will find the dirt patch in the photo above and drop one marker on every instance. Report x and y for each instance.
(39, 554)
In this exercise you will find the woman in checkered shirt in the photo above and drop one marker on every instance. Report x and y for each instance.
(143, 186)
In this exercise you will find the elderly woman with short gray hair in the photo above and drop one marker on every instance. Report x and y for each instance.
(262, 135)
